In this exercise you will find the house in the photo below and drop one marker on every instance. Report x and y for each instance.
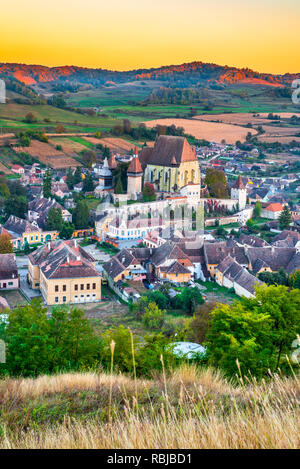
(169, 262)
(23, 232)
(64, 273)
(270, 259)
(9, 278)
(215, 252)
(17, 169)
(38, 210)
(288, 239)
(59, 189)
(171, 164)
(230, 274)
(272, 211)
(133, 229)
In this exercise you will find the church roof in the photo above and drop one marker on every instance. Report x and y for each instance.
(169, 150)
(135, 166)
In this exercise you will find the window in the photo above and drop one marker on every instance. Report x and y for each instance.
(64, 287)
(10, 283)
(56, 288)
(76, 287)
(64, 299)
(56, 299)
(81, 287)
(88, 286)
(94, 286)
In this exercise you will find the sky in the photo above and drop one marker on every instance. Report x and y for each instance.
(127, 34)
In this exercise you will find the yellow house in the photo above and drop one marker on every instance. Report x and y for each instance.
(171, 164)
(64, 273)
(23, 232)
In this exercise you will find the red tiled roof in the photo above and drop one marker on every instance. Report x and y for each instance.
(135, 166)
(276, 207)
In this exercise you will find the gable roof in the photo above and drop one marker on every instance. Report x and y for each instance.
(19, 226)
(8, 266)
(275, 207)
(64, 259)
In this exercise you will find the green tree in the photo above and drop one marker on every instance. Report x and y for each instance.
(77, 176)
(257, 209)
(119, 186)
(26, 338)
(88, 184)
(55, 220)
(257, 332)
(123, 359)
(16, 205)
(81, 215)
(285, 218)
(47, 185)
(153, 318)
(67, 231)
(70, 179)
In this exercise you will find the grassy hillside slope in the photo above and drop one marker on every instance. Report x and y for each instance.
(188, 409)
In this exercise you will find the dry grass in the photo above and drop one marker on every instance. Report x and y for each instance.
(188, 409)
(211, 131)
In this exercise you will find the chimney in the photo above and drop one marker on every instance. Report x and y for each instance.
(75, 243)
(68, 259)
(49, 245)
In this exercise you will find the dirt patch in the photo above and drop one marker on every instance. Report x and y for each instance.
(211, 131)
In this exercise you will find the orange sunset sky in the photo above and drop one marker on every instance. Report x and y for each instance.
(126, 34)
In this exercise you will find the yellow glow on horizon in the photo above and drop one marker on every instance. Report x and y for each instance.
(262, 35)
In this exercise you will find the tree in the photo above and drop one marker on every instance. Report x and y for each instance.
(67, 231)
(188, 300)
(258, 332)
(37, 344)
(294, 280)
(119, 186)
(70, 179)
(285, 218)
(4, 190)
(30, 118)
(88, 184)
(197, 327)
(26, 338)
(81, 215)
(47, 185)
(89, 158)
(216, 182)
(77, 176)
(6, 246)
(257, 209)
(16, 205)
(122, 358)
(55, 220)
(153, 317)
(148, 192)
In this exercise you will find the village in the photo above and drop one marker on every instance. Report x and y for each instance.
(186, 218)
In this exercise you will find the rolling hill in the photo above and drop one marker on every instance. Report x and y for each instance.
(184, 74)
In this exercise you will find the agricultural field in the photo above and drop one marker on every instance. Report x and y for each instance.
(211, 131)
(48, 155)
(12, 116)
(274, 131)
(115, 144)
